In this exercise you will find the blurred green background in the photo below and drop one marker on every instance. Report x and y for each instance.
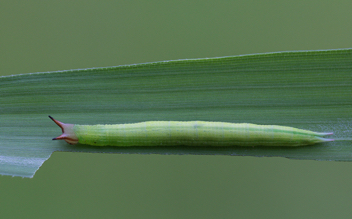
(37, 36)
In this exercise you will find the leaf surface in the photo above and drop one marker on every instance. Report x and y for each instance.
(304, 89)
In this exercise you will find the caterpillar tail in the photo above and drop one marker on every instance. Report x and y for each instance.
(325, 139)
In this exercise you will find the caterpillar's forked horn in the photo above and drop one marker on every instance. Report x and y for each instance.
(68, 133)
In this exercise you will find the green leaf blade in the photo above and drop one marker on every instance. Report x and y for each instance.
(304, 89)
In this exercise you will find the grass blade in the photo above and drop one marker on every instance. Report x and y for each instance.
(304, 89)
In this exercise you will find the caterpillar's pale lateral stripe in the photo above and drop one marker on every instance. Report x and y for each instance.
(194, 133)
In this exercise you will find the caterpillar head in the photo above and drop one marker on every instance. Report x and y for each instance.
(68, 133)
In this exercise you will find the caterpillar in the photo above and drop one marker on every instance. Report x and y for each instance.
(193, 133)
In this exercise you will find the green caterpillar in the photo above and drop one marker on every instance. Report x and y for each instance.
(194, 133)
